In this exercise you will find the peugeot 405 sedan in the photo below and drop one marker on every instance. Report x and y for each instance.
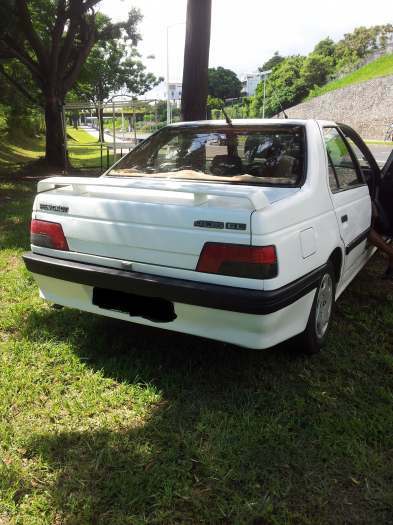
(244, 232)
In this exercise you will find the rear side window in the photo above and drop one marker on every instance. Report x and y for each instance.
(343, 172)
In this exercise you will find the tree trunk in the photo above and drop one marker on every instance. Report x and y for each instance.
(102, 130)
(55, 152)
(196, 60)
(100, 122)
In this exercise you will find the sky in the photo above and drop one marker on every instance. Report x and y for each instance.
(246, 33)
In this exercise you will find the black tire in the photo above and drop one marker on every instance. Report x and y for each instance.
(314, 337)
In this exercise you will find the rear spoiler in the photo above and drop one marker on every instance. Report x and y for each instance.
(200, 191)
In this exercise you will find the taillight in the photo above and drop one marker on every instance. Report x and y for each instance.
(253, 262)
(48, 234)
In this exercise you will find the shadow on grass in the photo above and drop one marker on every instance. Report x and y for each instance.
(16, 202)
(13, 156)
(206, 450)
(238, 436)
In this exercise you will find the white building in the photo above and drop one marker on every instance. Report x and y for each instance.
(250, 82)
(175, 90)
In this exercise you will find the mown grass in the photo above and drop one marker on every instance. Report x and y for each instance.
(381, 67)
(107, 423)
(86, 152)
(18, 149)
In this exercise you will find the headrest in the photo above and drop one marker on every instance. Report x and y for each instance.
(226, 165)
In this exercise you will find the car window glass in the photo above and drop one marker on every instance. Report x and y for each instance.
(363, 162)
(267, 155)
(341, 160)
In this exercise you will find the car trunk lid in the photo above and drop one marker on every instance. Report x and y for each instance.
(157, 222)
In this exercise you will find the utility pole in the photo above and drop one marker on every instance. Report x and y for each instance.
(196, 60)
(264, 75)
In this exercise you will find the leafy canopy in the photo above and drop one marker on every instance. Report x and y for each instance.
(223, 83)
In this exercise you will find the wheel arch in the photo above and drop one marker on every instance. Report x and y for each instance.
(336, 258)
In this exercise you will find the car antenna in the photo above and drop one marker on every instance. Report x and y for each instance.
(227, 118)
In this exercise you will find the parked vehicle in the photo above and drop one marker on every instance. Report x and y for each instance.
(244, 232)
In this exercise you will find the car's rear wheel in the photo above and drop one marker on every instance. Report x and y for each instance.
(315, 335)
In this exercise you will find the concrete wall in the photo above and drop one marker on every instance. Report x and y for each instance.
(367, 107)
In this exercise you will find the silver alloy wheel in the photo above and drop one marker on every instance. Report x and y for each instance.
(324, 305)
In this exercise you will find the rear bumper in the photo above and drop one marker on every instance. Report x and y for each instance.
(241, 300)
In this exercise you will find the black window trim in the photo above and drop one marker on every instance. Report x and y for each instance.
(354, 160)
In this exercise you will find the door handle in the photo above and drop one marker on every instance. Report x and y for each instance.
(344, 218)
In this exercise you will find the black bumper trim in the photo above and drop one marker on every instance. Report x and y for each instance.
(243, 300)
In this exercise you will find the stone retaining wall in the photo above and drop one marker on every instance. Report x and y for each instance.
(367, 107)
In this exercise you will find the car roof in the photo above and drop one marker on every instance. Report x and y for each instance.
(252, 122)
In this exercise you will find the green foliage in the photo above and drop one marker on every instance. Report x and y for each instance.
(272, 62)
(112, 66)
(316, 69)
(380, 67)
(362, 41)
(223, 83)
(214, 102)
(325, 48)
(295, 77)
(285, 87)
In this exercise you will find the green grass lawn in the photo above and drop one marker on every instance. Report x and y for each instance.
(18, 150)
(85, 151)
(106, 423)
(381, 67)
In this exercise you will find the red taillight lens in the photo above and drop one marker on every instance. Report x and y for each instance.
(48, 234)
(253, 262)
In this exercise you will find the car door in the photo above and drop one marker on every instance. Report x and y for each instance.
(350, 196)
(365, 159)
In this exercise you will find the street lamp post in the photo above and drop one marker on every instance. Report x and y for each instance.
(168, 100)
(264, 75)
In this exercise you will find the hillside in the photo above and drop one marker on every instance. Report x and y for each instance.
(366, 106)
(18, 149)
(381, 67)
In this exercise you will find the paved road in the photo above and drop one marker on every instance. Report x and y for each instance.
(380, 152)
(120, 137)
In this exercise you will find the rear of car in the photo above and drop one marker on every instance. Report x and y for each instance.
(183, 233)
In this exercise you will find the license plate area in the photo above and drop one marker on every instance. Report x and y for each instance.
(151, 308)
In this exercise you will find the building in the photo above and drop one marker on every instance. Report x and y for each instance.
(250, 83)
(175, 91)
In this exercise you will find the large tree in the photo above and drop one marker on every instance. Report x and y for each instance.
(52, 40)
(196, 60)
(274, 61)
(223, 83)
(285, 87)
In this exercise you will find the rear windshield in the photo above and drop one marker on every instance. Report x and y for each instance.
(268, 156)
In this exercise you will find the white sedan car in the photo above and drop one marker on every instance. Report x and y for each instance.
(244, 232)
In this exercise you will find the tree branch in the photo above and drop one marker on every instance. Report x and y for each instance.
(20, 53)
(69, 39)
(31, 35)
(20, 88)
(81, 57)
(56, 39)
(89, 4)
